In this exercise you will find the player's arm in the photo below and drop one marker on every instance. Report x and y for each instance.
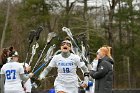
(86, 74)
(2, 82)
(102, 70)
(45, 72)
(84, 69)
(25, 77)
(48, 68)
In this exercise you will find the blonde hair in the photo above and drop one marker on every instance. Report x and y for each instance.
(107, 50)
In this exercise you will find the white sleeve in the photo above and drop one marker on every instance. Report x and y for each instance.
(79, 62)
(45, 72)
(21, 69)
(2, 70)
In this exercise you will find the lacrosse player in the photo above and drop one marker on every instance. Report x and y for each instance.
(67, 63)
(13, 73)
(27, 85)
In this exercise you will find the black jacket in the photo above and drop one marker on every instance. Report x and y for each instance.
(103, 76)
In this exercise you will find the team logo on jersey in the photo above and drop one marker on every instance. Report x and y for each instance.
(68, 63)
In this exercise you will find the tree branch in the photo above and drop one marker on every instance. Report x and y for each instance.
(60, 3)
(6, 23)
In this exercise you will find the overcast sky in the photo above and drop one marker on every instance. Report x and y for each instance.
(90, 2)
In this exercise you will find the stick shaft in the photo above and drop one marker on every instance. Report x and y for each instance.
(40, 57)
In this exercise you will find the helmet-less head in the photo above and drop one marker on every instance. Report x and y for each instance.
(66, 46)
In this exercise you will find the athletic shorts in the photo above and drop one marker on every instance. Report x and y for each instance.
(66, 89)
(14, 91)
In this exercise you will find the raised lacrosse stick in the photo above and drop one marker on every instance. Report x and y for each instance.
(50, 37)
(47, 58)
(32, 34)
(34, 47)
(67, 30)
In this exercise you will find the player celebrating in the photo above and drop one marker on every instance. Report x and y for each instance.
(67, 63)
(13, 73)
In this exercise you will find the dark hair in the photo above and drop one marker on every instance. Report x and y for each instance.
(12, 51)
(11, 48)
(67, 38)
(4, 55)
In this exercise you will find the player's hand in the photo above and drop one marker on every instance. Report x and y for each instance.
(39, 79)
(83, 84)
(28, 68)
(31, 75)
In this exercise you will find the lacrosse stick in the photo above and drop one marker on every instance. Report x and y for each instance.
(30, 40)
(34, 47)
(39, 30)
(57, 52)
(37, 35)
(47, 58)
(84, 53)
(67, 30)
(33, 34)
(50, 37)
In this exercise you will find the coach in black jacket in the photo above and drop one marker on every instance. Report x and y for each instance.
(104, 74)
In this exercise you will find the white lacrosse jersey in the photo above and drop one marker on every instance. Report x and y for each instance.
(27, 85)
(12, 71)
(67, 68)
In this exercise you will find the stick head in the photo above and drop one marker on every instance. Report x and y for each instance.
(38, 31)
(31, 36)
(49, 53)
(67, 30)
(50, 36)
(34, 47)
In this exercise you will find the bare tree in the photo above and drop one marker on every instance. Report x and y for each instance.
(6, 23)
(86, 17)
(68, 9)
(112, 4)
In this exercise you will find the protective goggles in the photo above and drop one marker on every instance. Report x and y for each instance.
(65, 43)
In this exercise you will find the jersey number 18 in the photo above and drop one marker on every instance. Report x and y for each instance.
(66, 70)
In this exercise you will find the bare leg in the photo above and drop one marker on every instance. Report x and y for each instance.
(61, 92)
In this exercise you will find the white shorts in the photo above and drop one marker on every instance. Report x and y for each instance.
(66, 89)
(68, 85)
(14, 91)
